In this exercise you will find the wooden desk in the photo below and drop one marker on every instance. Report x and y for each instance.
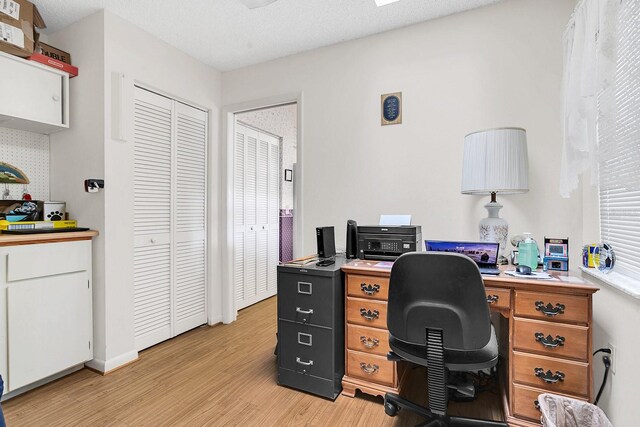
(544, 326)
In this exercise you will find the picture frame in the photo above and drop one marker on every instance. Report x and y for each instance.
(391, 108)
(288, 175)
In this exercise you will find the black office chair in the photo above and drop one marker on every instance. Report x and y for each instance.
(438, 317)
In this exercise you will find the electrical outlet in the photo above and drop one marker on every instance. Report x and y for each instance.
(613, 357)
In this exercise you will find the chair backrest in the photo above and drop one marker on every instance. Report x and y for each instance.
(440, 291)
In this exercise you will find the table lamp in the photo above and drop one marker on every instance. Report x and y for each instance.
(495, 161)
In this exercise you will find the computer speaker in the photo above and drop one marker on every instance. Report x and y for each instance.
(352, 239)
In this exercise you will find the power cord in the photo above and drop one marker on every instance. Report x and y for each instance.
(607, 364)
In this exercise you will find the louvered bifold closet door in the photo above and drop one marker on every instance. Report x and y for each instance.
(246, 191)
(152, 217)
(190, 203)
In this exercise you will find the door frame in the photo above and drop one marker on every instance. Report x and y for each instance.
(229, 311)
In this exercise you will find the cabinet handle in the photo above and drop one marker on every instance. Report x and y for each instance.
(56, 98)
(368, 368)
(368, 314)
(301, 311)
(369, 289)
(536, 404)
(302, 362)
(549, 341)
(548, 309)
(369, 342)
(492, 299)
(549, 377)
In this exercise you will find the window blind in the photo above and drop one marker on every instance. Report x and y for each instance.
(619, 145)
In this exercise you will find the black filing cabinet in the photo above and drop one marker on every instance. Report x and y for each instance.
(311, 328)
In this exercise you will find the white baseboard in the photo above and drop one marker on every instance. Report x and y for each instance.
(105, 366)
(214, 320)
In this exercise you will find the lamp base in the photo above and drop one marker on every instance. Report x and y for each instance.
(494, 229)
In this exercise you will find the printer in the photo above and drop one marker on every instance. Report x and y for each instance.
(388, 242)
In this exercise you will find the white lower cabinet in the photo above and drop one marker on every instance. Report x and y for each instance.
(45, 310)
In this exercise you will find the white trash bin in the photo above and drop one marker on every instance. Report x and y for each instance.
(560, 411)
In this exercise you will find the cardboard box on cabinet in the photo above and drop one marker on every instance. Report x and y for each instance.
(17, 21)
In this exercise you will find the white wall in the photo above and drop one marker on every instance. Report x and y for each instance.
(142, 58)
(499, 65)
(78, 153)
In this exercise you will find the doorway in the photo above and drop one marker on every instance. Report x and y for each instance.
(262, 157)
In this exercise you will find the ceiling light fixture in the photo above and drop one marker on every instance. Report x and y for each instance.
(254, 4)
(384, 2)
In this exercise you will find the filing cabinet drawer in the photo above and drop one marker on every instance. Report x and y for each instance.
(306, 299)
(367, 312)
(368, 340)
(525, 402)
(370, 367)
(316, 385)
(498, 298)
(551, 338)
(368, 287)
(557, 307)
(305, 349)
(555, 375)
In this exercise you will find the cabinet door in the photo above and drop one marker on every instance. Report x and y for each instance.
(49, 326)
(30, 92)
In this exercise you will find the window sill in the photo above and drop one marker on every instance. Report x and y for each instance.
(626, 284)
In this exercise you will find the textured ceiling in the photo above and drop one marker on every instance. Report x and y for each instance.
(227, 35)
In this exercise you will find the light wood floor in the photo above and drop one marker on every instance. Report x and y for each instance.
(221, 375)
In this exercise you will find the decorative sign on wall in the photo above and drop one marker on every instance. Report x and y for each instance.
(391, 108)
(12, 175)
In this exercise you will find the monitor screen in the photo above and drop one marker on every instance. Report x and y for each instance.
(480, 252)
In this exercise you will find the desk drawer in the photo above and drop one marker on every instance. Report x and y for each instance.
(525, 401)
(370, 367)
(557, 307)
(562, 376)
(498, 298)
(368, 287)
(367, 312)
(368, 340)
(305, 298)
(551, 338)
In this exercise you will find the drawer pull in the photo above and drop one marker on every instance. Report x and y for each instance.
(301, 311)
(369, 342)
(303, 363)
(368, 314)
(550, 310)
(370, 289)
(492, 299)
(549, 341)
(368, 368)
(549, 377)
(536, 404)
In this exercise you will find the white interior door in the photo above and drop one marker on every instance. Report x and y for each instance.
(256, 213)
(190, 202)
(152, 182)
(170, 257)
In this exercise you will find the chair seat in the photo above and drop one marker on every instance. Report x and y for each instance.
(455, 360)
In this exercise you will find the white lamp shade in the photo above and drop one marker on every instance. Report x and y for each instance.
(495, 160)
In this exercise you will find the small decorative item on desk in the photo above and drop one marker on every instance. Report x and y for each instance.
(391, 105)
(556, 254)
(591, 255)
(528, 252)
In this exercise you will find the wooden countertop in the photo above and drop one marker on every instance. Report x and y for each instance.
(31, 239)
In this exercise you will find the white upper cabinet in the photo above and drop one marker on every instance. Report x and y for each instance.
(33, 97)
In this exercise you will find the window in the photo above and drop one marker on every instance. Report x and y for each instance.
(619, 141)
